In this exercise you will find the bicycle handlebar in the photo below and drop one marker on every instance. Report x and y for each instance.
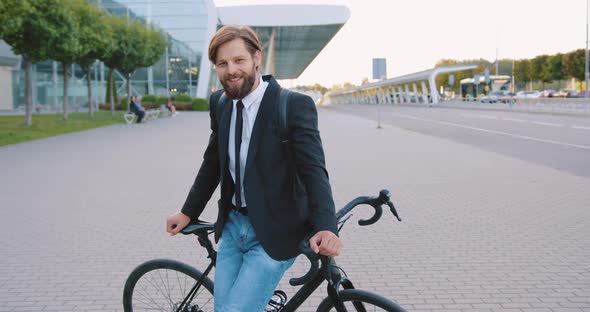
(375, 202)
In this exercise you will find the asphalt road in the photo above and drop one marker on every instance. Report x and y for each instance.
(558, 141)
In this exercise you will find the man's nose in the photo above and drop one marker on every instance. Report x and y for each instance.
(232, 68)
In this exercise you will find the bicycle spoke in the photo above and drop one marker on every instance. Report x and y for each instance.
(155, 290)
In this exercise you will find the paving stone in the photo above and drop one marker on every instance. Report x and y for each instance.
(480, 232)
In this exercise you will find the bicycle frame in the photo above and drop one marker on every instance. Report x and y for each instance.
(311, 281)
(300, 296)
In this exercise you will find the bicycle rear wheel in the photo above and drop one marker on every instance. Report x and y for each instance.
(361, 301)
(162, 285)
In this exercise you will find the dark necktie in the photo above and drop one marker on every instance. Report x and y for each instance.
(238, 144)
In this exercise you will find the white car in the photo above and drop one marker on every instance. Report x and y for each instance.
(528, 94)
(493, 97)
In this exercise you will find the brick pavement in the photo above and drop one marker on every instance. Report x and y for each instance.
(480, 231)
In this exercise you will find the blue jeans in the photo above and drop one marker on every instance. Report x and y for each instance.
(245, 275)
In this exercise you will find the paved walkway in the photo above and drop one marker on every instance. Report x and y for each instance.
(480, 231)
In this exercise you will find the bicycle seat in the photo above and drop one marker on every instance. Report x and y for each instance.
(198, 227)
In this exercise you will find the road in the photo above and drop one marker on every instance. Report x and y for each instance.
(558, 141)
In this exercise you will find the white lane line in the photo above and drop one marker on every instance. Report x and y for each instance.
(514, 119)
(580, 127)
(524, 137)
(487, 117)
(546, 124)
(479, 116)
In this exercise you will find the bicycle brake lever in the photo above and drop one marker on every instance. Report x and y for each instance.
(392, 208)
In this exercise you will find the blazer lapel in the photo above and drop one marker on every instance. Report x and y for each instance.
(264, 113)
(224, 134)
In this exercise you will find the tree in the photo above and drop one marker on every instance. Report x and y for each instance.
(28, 26)
(521, 72)
(536, 69)
(573, 63)
(553, 67)
(134, 46)
(95, 40)
(66, 47)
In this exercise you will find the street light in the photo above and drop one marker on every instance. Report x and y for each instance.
(586, 68)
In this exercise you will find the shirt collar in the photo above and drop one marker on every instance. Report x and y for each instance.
(253, 96)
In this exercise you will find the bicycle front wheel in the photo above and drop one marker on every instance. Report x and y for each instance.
(361, 301)
(162, 285)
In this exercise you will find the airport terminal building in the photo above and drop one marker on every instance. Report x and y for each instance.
(292, 36)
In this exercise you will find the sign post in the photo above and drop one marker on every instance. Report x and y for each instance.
(379, 73)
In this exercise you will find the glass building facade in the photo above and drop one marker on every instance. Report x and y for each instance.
(184, 22)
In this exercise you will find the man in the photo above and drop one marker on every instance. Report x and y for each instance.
(136, 108)
(268, 205)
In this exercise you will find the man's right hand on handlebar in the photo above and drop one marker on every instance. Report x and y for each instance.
(176, 222)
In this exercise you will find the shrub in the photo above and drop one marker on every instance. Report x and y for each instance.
(161, 100)
(200, 104)
(183, 98)
(149, 98)
(123, 105)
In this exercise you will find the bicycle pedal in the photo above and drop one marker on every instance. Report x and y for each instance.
(277, 301)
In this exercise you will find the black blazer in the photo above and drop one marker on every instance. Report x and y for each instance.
(283, 206)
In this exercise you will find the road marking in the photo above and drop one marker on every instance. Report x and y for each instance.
(581, 127)
(487, 117)
(479, 116)
(514, 119)
(524, 137)
(547, 124)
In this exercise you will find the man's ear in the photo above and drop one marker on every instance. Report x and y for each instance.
(257, 58)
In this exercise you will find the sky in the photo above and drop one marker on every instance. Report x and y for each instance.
(412, 35)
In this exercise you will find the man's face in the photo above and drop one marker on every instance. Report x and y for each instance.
(236, 68)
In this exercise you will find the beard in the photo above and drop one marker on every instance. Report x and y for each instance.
(239, 92)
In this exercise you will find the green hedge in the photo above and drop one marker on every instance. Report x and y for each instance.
(183, 98)
(200, 104)
(161, 100)
(149, 98)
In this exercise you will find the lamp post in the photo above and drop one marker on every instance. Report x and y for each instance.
(586, 68)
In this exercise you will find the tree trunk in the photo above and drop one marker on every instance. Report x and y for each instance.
(112, 96)
(89, 86)
(128, 91)
(65, 105)
(29, 93)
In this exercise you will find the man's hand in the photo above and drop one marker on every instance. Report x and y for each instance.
(326, 243)
(176, 222)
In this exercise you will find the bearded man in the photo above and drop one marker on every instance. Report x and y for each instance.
(272, 197)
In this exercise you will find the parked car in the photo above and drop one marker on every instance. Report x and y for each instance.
(528, 94)
(566, 93)
(584, 94)
(492, 97)
(548, 93)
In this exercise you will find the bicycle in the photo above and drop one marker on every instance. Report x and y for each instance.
(193, 290)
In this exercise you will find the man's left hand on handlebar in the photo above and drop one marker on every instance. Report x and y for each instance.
(326, 243)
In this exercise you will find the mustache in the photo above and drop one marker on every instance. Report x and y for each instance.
(230, 76)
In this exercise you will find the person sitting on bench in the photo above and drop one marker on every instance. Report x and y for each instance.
(136, 108)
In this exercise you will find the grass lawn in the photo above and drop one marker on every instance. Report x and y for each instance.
(13, 129)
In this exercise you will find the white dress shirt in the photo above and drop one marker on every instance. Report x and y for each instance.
(251, 105)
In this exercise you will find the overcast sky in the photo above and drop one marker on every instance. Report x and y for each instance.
(414, 34)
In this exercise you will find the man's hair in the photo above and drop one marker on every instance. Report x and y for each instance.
(230, 32)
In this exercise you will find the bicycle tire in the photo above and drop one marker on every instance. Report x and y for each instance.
(148, 287)
(361, 301)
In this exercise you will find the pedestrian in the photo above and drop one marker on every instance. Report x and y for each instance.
(136, 108)
(271, 196)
